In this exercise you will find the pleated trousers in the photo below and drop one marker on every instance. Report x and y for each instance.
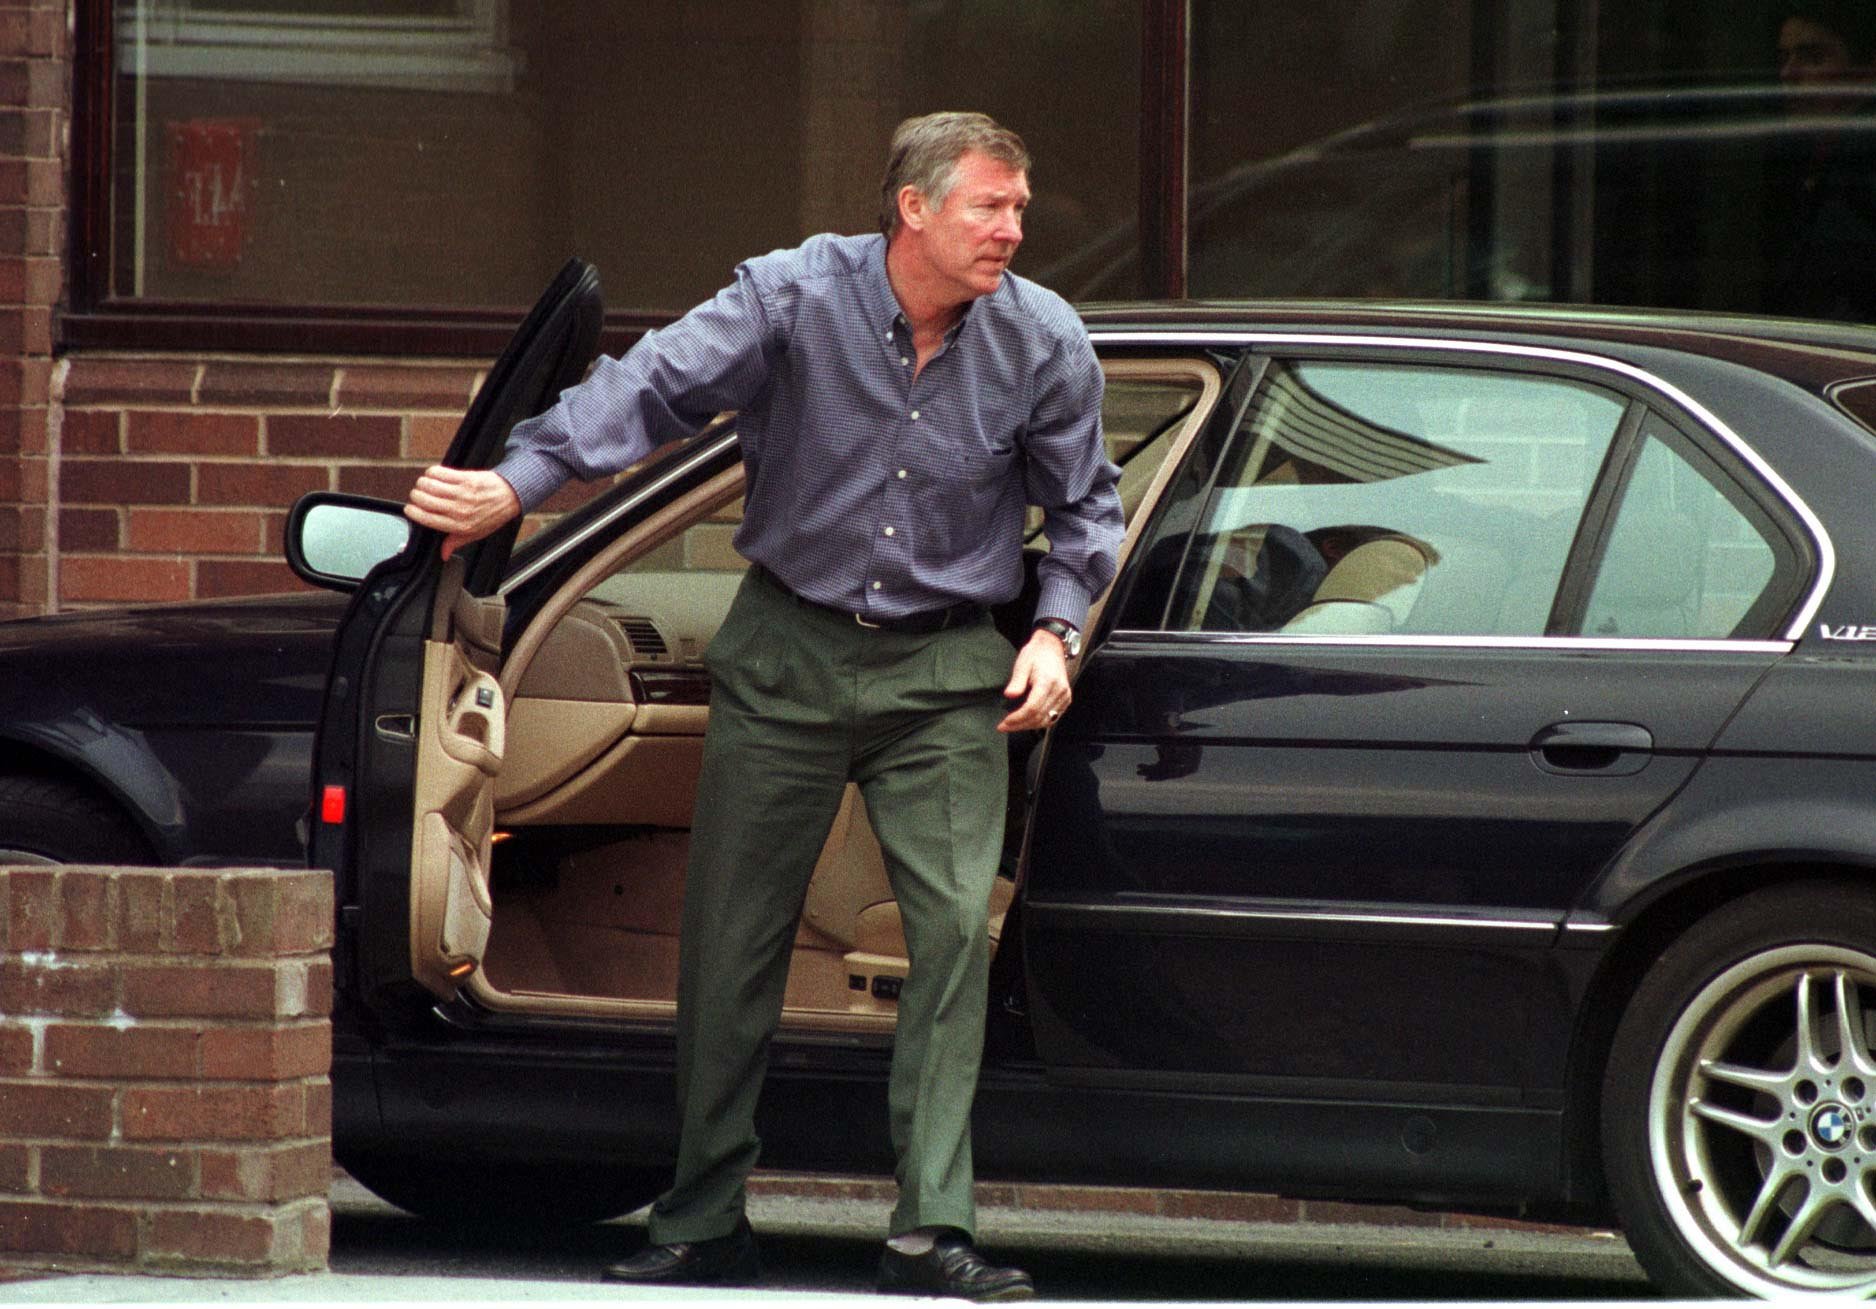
(803, 701)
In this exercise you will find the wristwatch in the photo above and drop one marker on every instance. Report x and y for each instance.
(1071, 638)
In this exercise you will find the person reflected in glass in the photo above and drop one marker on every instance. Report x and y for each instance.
(1822, 227)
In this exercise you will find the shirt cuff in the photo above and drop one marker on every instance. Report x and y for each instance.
(533, 475)
(1062, 598)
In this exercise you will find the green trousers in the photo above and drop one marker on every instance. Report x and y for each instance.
(802, 702)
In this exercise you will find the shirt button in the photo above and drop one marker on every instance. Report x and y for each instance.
(915, 415)
(876, 586)
(902, 473)
(904, 360)
(888, 531)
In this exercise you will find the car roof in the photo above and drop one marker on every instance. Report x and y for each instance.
(1816, 355)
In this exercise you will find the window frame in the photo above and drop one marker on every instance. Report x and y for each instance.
(95, 319)
(462, 53)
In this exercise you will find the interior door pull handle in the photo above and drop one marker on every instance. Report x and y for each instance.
(1608, 749)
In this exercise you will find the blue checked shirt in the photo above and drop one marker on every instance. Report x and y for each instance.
(867, 488)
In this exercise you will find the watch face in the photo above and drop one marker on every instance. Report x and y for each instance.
(1070, 638)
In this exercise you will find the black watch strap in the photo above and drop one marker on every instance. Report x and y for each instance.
(1070, 636)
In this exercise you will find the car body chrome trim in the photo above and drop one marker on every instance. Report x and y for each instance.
(685, 464)
(1606, 644)
(1826, 552)
(1375, 918)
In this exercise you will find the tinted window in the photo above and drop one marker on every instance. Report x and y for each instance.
(1688, 554)
(1363, 498)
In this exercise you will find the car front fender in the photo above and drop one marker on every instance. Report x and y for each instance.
(115, 760)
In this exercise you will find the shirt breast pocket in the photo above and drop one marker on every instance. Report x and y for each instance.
(970, 481)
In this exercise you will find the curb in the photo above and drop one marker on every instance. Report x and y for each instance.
(1221, 1206)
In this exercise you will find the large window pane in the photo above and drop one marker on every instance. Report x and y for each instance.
(1645, 153)
(456, 152)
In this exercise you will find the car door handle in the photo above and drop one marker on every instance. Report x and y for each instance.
(1606, 749)
(475, 726)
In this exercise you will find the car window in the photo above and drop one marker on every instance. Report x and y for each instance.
(1688, 555)
(1358, 498)
(1139, 421)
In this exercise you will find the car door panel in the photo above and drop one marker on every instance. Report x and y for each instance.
(462, 728)
(413, 726)
(1334, 864)
(1342, 766)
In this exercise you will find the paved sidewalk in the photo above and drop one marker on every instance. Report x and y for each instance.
(1061, 1221)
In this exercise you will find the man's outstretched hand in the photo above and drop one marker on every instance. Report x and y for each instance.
(1038, 689)
(464, 504)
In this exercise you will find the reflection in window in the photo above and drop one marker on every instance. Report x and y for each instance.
(457, 152)
(1650, 153)
(1364, 499)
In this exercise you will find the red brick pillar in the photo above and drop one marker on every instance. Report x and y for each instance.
(35, 103)
(165, 1044)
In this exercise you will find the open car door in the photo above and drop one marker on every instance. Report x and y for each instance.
(410, 736)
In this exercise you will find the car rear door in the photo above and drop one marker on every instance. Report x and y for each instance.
(410, 736)
(1411, 648)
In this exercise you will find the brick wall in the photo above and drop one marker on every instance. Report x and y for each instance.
(164, 1050)
(174, 475)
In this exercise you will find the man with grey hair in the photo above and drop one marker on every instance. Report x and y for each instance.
(901, 399)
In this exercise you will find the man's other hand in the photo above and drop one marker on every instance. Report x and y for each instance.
(1039, 680)
(464, 504)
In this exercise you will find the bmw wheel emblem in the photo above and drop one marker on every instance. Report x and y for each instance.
(1830, 1126)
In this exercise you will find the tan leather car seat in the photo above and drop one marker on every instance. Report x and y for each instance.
(850, 899)
(1371, 589)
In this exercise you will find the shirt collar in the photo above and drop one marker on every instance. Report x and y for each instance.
(885, 307)
(883, 304)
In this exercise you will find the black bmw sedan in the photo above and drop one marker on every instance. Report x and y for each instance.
(1467, 799)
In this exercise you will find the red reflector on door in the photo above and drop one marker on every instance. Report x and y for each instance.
(332, 805)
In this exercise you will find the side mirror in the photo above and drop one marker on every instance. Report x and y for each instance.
(334, 539)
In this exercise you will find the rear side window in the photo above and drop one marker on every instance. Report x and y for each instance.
(1688, 554)
(1386, 499)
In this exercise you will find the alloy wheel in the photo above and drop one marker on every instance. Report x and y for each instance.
(1762, 1122)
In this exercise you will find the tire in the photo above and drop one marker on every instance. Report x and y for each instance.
(472, 1193)
(47, 820)
(1739, 1141)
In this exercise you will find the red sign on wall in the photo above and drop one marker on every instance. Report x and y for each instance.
(211, 184)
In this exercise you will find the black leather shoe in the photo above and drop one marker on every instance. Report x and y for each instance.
(721, 1261)
(951, 1268)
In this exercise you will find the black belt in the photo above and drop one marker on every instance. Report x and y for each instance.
(923, 623)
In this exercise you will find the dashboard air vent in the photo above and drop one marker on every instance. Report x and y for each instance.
(647, 642)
